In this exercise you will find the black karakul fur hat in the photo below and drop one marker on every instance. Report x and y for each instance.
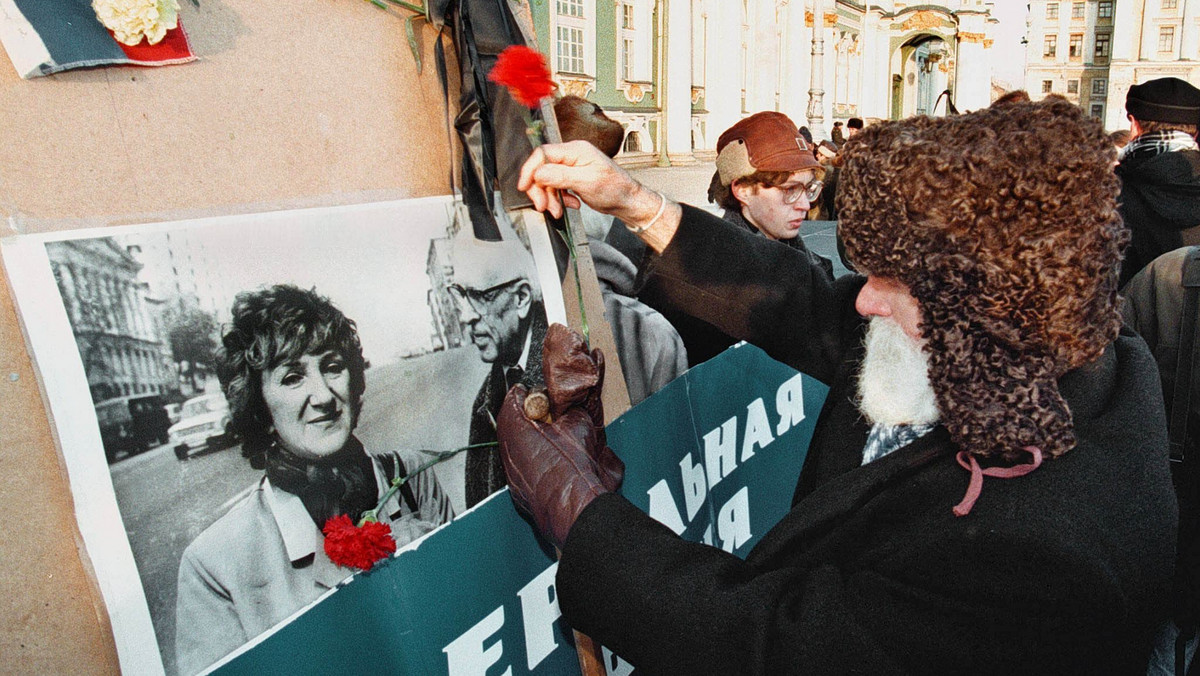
(1003, 223)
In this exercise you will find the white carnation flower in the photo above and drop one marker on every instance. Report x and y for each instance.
(130, 20)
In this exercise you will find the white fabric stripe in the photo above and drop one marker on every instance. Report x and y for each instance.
(22, 42)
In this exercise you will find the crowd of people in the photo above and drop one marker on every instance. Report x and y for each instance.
(989, 488)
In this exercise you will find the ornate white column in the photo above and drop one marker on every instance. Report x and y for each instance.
(816, 88)
(677, 98)
(973, 65)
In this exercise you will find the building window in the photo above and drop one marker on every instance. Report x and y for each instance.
(1104, 9)
(574, 38)
(573, 8)
(1170, 4)
(1051, 10)
(634, 48)
(1099, 87)
(1047, 86)
(570, 49)
(1073, 87)
(627, 59)
(1050, 46)
(1098, 111)
(1166, 38)
(1076, 10)
(1075, 48)
(1102, 40)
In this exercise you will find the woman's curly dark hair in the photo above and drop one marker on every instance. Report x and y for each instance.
(1003, 223)
(271, 326)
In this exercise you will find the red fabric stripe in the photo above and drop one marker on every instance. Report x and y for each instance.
(173, 48)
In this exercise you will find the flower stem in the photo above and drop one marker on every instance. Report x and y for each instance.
(439, 456)
(533, 128)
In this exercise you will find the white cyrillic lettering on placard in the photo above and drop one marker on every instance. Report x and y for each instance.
(789, 403)
(720, 451)
(466, 656)
(733, 521)
(539, 609)
(614, 665)
(663, 508)
(758, 429)
(694, 489)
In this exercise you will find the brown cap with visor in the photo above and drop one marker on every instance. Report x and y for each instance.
(766, 141)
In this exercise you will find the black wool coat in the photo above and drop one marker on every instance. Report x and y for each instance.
(1160, 202)
(1063, 571)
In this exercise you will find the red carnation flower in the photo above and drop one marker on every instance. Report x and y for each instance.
(357, 546)
(525, 73)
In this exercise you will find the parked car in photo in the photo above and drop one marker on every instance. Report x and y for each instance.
(132, 424)
(203, 423)
(173, 412)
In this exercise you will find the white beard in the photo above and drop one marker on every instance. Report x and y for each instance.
(894, 384)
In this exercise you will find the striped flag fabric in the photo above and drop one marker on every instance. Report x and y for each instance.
(48, 36)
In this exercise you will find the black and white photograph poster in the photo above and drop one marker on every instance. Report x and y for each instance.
(220, 387)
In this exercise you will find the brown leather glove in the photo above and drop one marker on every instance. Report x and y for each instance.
(557, 468)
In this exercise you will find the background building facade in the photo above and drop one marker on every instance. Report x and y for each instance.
(1093, 51)
(678, 72)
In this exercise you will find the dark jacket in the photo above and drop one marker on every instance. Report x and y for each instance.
(1153, 307)
(1160, 202)
(1063, 571)
(702, 339)
(484, 471)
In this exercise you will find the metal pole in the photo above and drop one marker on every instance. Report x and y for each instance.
(816, 76)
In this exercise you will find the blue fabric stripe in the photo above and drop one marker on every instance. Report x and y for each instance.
(71, 32)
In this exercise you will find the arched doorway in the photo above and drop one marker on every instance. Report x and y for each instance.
(920, 72)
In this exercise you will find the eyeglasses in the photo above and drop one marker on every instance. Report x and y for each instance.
(479, 300)
(811, 191)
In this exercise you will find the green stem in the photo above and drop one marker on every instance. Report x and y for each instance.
(439, 456)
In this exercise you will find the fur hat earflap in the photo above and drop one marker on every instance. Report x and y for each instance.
(1003, 224)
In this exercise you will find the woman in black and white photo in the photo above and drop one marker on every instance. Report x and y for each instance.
(292, 369)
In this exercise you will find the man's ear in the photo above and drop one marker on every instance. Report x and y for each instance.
(523, 298)
(1135, 129)
(742, 191)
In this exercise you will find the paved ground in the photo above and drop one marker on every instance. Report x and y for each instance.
(682, 184)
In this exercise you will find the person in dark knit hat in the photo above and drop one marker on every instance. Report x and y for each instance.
(1160, 171)
(986, 490)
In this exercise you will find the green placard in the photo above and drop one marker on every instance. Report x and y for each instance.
(715, 455)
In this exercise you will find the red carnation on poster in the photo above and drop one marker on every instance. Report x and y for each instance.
(357, 546)
(525, 73)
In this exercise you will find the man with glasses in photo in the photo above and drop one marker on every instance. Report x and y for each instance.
(499, 303)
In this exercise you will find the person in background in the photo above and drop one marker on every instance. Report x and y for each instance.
(836, 136)
(827, 155)
(1160, 171)
(292, 368)
(1014, 96)
(1120, 138)
(986, 490)
(854, 127)
(652, 353)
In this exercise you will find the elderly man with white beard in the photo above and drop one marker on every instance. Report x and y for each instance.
(987, 487)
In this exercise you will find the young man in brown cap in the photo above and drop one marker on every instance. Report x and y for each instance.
(767, 178)
(1160, 171)
(976, 361)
